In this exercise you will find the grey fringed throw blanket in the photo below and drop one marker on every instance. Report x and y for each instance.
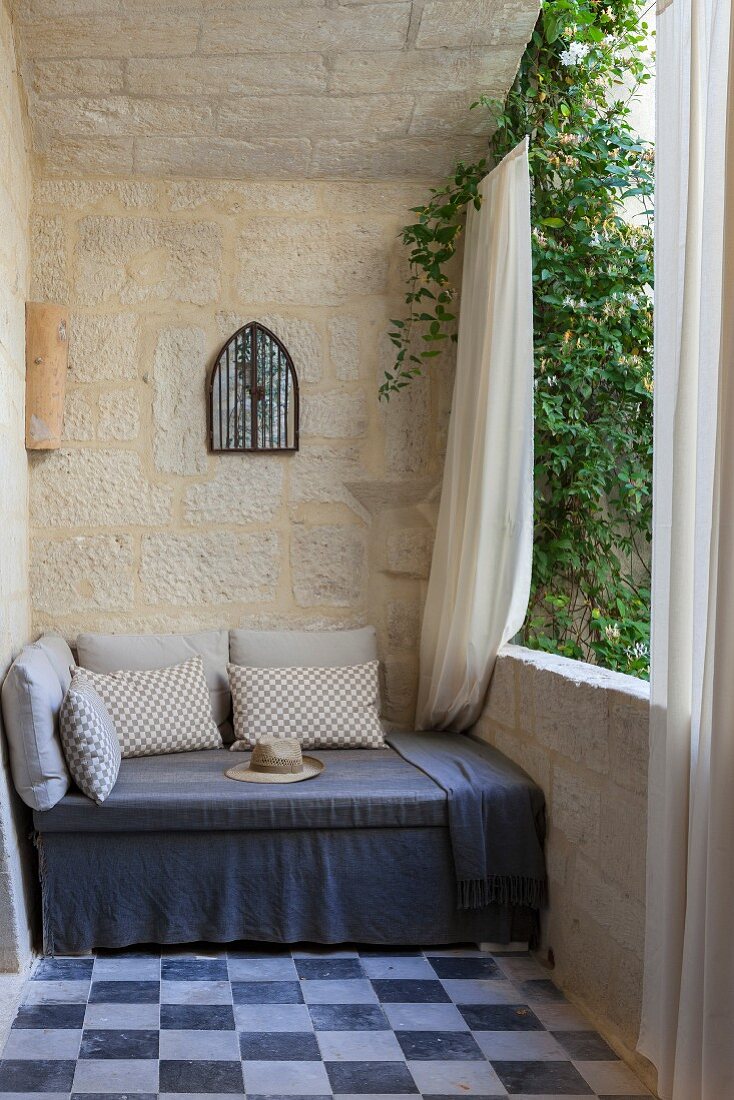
(496, 817)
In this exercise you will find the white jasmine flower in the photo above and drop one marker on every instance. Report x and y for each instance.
(575, 53)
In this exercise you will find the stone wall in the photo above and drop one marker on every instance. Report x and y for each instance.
(14, 266)
(582, 733)
(133, 525)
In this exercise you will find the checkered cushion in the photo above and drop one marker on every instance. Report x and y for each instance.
(324, 708)
(89, 740)
(160, 710)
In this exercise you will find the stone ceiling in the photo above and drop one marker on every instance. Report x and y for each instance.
(263, 88)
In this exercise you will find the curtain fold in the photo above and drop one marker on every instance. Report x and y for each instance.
(480, 573)
(688, 997)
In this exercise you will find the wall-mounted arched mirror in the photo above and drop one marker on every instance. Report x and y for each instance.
(253, 394)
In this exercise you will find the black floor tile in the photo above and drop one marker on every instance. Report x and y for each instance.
(471, 967)
(370, 1077)
(137, 993)
(259, 993)
(279, 1046)
(409, 990)
(109, 1043)
(439, 1046)
(44, 1075)
(114, 1096)
(62, 970)
(500, 1018)
(50, 1016)
(194, 970)
(348, 1018)
(585, 1046)
(185, 1076)
(329, 969)
(541, 1078)
(197, 1018)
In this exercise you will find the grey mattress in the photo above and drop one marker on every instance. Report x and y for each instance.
(184, 792)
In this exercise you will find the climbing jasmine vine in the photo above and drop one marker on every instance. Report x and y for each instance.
(591, 210)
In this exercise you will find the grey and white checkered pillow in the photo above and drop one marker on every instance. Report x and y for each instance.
(159, 710)
(324, 708)
(89, 740)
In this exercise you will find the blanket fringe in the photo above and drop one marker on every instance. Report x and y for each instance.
(503, 890)
(48, 938)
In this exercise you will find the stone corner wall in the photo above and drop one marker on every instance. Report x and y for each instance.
(581, 732)
(134, 526)
(15, 188)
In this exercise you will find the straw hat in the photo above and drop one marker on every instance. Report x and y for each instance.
(278, 760)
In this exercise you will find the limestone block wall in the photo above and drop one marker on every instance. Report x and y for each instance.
(14, 267)
(582, 733)
(133, 525)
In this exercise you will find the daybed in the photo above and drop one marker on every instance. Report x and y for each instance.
(180, 853)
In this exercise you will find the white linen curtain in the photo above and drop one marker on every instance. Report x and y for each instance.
(688, 1001)
(480, 574)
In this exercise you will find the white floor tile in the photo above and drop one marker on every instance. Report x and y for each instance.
(272, 1017)
(286, 1079)
(425, 1017)
(359, 1046)
(116, 1075)
(456, 1078)
(211, 1046)
(43, 1043)
(612, 1079)
(196, 993)
(123, 1017)
(356, 991)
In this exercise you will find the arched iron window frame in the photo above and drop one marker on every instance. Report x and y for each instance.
(254, 327)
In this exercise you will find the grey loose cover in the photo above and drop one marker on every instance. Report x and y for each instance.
(179, 853)
(383, 886)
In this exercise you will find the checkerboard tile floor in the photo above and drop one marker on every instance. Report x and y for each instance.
(304, 1023)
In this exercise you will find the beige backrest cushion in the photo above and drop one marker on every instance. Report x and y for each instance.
(302, 648)
(148, 652)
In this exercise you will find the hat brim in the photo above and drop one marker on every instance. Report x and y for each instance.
(311, 768)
